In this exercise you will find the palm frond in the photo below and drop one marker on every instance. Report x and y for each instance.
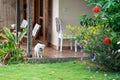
(3, 36)
(22, 34)
(9, 34)
(2, 52)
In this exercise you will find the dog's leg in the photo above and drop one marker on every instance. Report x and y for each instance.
(40, 55)
(37, 54)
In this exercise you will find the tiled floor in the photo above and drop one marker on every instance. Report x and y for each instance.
(52, 53)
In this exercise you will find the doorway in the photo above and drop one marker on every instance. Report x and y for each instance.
(43, 16)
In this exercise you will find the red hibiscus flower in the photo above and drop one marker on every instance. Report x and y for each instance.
(96, 9)
(107, 41)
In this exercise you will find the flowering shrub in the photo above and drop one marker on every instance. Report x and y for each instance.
(110, 11)
(107, 41)
(103, 50)
(118, 49)
(101, 44)
(96, 9)
(101, 41)
(87, 21)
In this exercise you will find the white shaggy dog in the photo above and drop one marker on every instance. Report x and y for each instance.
(39, 50)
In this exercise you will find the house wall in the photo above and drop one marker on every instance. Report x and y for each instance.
(7, 12)
(55, 13)
(68, 11)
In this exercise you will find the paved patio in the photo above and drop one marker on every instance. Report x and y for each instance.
(53, 53)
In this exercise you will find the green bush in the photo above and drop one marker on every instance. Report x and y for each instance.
(87, 21)
(101, 41)
(10, 52)
(92, 41)
(110, 11)
(103, 54)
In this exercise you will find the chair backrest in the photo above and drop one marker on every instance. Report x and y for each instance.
(35, 30)
(58, 25)
(24, 24)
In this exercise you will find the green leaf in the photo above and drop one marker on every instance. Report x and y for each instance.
(22, 34)
(3, 51)
(8, 34)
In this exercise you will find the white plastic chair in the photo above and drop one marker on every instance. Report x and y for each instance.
(34, 32)
(61, 37)
(22, 25)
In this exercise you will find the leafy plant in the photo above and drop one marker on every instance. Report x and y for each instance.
(10, 51)
(87, 21)
(110, 11)
(107, 17)
(101, 43)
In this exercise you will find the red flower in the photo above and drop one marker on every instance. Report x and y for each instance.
(107, 41)
(96, 9)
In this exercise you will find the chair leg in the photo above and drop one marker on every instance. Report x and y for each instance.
(75, 45)
(71, 45)
(58, 44)
(61, 42)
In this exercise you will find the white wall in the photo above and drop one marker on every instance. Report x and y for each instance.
(54, 15)
(68, 11)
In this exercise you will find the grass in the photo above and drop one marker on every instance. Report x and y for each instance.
(56, 71)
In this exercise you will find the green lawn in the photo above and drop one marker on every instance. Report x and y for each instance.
(56, 71)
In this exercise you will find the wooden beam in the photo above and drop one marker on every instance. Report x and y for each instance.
(29, 40)
(44, 11)
(45, 21)
(17, 18)
(33, 13)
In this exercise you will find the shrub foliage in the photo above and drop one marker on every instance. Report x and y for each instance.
(101, 39)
